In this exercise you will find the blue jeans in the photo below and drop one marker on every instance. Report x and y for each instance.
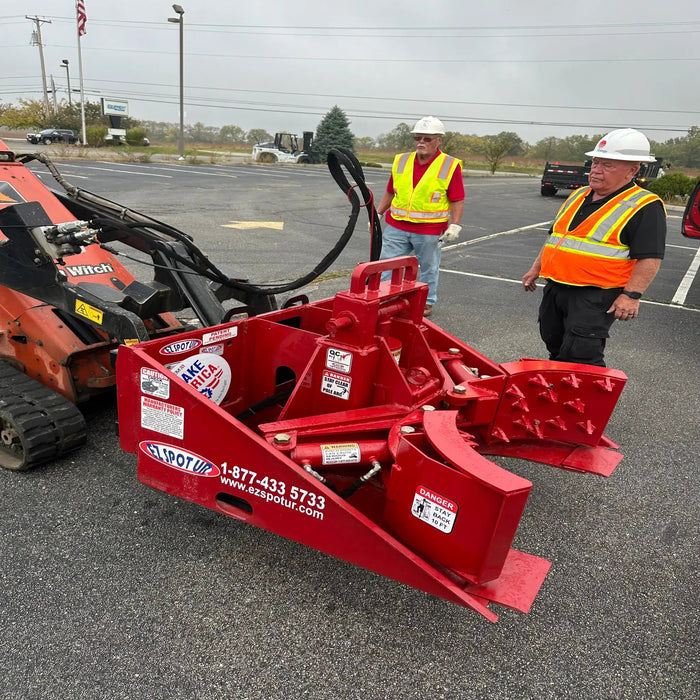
(427, 249)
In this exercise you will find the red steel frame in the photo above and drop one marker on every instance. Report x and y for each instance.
(355, 426)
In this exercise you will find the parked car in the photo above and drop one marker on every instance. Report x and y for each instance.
(49, 136)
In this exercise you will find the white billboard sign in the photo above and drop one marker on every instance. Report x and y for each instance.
(115, 108)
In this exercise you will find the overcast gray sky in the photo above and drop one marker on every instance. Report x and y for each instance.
(536, 67)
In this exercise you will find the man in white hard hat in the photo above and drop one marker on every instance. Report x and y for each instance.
(604, 249)
(423, 202)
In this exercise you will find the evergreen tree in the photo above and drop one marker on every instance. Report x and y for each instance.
(332, 132)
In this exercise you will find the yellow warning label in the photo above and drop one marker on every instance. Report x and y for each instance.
(131, 341)
(88, 312)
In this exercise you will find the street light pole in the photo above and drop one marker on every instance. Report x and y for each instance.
(181, 138)
(64, 63)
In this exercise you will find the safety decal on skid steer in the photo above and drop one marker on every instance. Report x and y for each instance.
(434, 509)
(88, 312)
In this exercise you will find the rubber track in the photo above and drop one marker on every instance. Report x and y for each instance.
(49, 425)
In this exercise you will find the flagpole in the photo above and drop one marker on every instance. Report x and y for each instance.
(80, 71)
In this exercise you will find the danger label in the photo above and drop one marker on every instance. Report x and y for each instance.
(337, 385)
(162, 417)
(339, 360)
(154, 383)
(435, 510)
(340, 453)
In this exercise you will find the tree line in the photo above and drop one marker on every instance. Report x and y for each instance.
(680, 151)
(334, 129)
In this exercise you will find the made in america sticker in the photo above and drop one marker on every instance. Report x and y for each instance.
(434, 509)
(335, 384)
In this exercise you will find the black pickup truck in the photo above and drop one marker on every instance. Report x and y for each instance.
(558, 176)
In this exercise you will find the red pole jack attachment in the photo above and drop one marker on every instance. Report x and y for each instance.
(355, 426)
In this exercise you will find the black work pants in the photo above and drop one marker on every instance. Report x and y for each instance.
(573, 322)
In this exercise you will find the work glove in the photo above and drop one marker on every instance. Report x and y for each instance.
(451, 234)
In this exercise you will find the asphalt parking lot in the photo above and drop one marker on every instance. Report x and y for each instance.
(111, 589)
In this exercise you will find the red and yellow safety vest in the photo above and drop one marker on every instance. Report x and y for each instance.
(428, 201)
(592, 253)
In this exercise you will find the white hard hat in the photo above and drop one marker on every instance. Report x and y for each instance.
(623, 144)
(429, 125)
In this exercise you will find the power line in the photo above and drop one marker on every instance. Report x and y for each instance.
(403, 99)
(364, 114)
(355, 59)
(410, 31)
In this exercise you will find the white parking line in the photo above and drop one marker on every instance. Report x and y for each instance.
(188, 171)
(688, 279)
(495, 235)
(672, 305)
(66, 173)
(123, 172)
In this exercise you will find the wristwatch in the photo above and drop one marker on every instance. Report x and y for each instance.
(632, 295)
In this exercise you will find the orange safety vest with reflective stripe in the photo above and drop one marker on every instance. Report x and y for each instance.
(592, 253)
(427, 203)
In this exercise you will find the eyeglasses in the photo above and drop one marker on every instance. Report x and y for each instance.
(427, 139)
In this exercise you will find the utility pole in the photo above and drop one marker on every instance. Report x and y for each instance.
(36, 41)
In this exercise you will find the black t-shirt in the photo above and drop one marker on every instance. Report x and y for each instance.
(644, 233)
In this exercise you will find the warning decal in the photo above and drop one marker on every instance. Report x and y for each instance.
(88, 312)
(434, 509)
(154, 383)
(341, 453)
(337, 385)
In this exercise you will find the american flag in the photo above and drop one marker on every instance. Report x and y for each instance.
(82, 17)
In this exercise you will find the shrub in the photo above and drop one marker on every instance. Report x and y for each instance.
(96, 135)
(673, 185)
(135, 136)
